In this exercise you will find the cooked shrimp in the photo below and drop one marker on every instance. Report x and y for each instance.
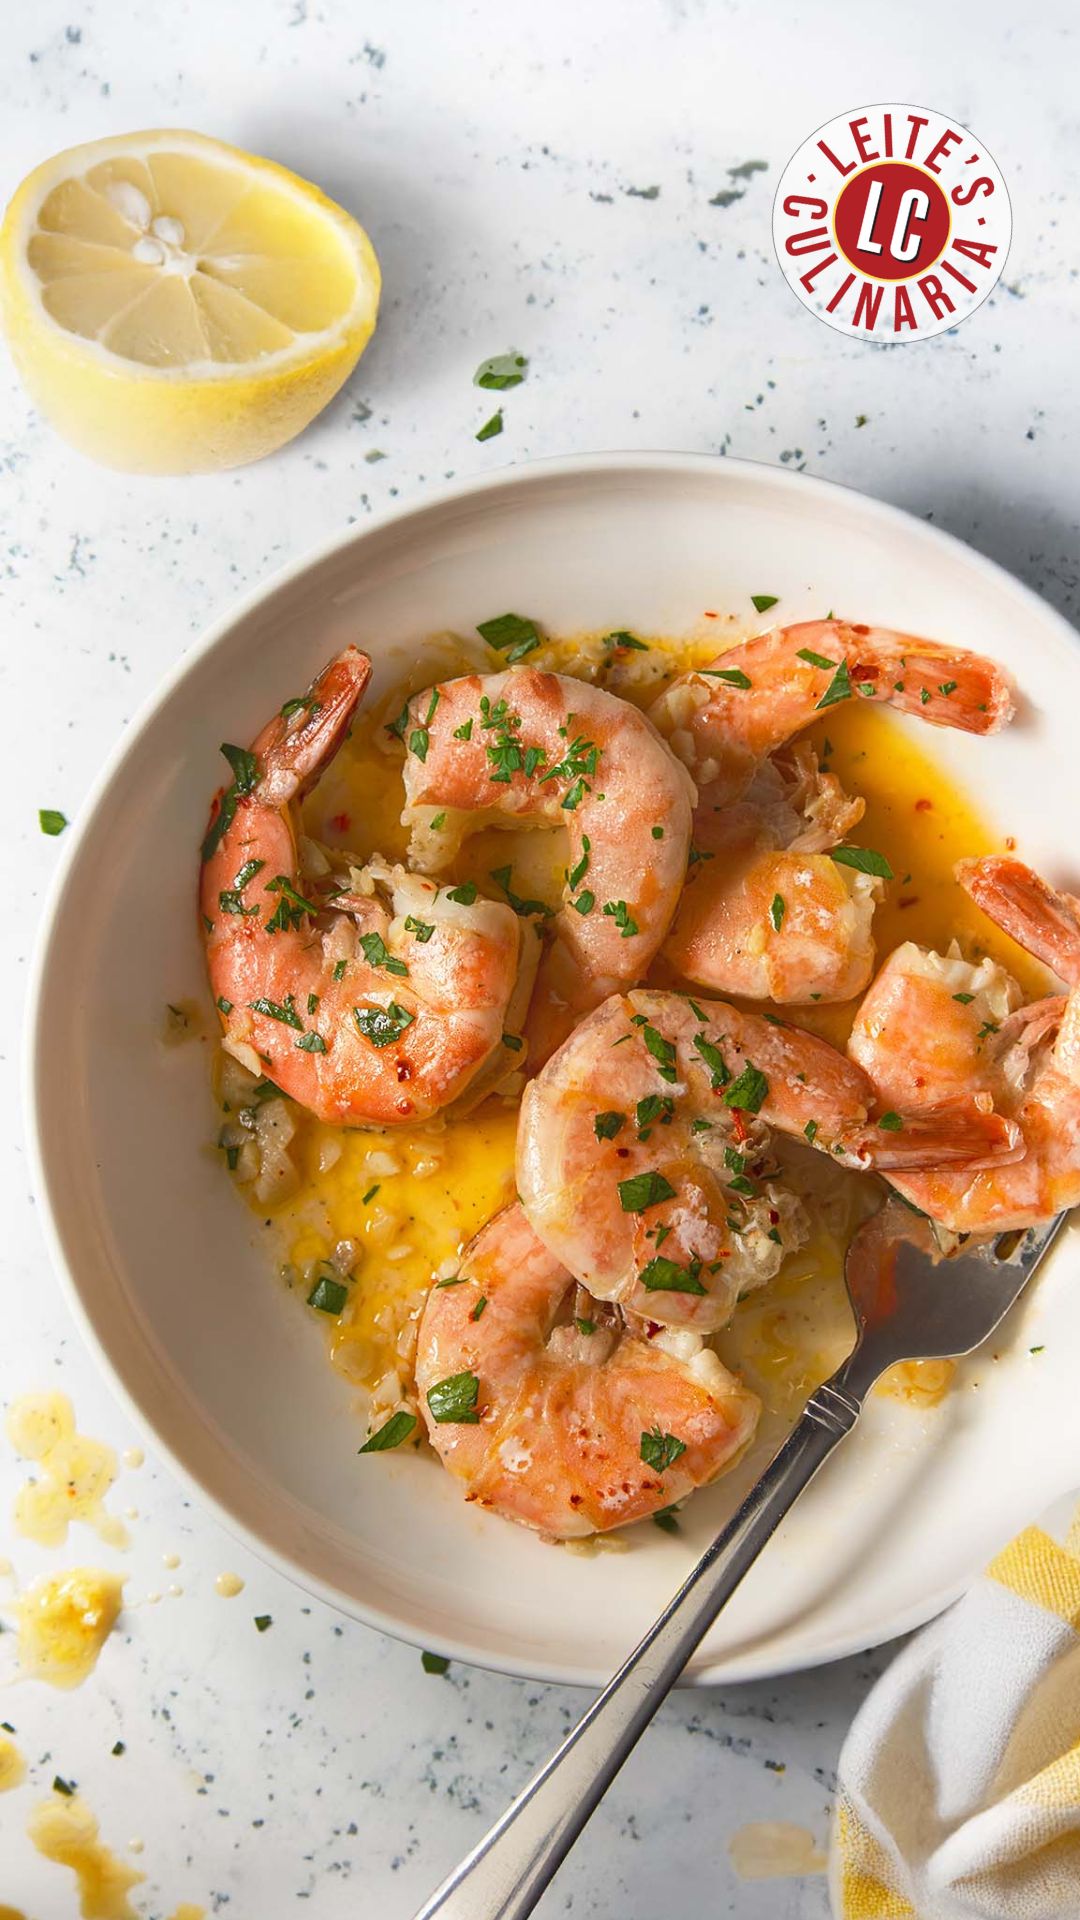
(529, 747)
(766, 912)
(935, 1025)
(375, 1006)
(725, 719)
(643, 1156)
(551, 1410)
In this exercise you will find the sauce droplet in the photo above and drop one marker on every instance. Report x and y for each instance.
(774, 1850)
(64, 1620)
(229, 1585)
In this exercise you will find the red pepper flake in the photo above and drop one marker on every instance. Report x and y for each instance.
(404, 1070)
(924, 806)
(908, 900)
(774, 1217)
(859, 672)
(860, 629)
(738, 1125)
(709, 615)
(341, 823)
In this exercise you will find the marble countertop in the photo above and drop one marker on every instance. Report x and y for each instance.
(570, 181)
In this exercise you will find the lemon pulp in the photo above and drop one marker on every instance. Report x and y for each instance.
(174, 304)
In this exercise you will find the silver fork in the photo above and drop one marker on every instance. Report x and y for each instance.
(909, 1304)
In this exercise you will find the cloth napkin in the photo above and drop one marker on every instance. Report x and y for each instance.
(959, 1781)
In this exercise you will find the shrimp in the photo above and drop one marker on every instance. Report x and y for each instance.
(723, 720)
(374, 1005)
(934, 1025)
(643, 1153)
(529, 747)
(766, 912)
(555, 1413)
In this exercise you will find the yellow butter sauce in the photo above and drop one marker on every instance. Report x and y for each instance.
(74, 1473)
(64, 1620)
(65, 1830)
(408, 1201)
(12, 1768)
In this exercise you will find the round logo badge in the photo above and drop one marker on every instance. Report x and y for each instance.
(892, 223)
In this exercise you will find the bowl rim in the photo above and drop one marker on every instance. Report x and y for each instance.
(645, 462)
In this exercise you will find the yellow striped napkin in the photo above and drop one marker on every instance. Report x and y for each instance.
(959, 1782)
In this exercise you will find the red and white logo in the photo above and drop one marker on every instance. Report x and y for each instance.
(892, 223)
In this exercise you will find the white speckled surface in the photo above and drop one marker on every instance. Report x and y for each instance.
(494, 152)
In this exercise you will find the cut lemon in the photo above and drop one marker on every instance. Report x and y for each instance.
(175, 306)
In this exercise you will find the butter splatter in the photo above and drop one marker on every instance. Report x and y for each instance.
(76, 1473)
(12, 1765)
(133, 1457)
(774, 1850)
(64, 1620)
(229, 1585)
(66, 1831)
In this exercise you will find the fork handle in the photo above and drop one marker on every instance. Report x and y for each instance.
(506, 1873)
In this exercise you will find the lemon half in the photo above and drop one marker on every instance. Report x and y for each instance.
(174, 305)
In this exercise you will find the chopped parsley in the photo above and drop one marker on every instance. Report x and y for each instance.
(965, 999)
(275, 1010)
(810, 1130)
(492, 427)
(815, 659)
(731, 676)
(382, 1025)
(378, 954)
(453, 1400)
(863, 859)
(464, 895)
(502, 371)
(302, 704)
(660, 1450)
(607, 1125)
(948, 686)
(464, 732)
(618, 911)
(839, 687)
(667, 1520)
(291, 906)
(663, 1051)
(370, 1194)
(748, 1092)
(891, 1123)
(513, 1041)
(391, 1433)
(654, 1107)
(577, 874)
(66, 1787)
(761, 602)
(52, 822)
(662, 1275)
(777, 911)
(263, 1621)
(479, 1307)
(509, 633)
(658, 833)
(245, 771)
(625, 640)
(714, 1060)
(434, 1663)
(644, 1190)
(311, 1043)
(339, 969)
(223, 1005)
(423, 929)
(327, 1295)
(584, 903)
(585, 1326)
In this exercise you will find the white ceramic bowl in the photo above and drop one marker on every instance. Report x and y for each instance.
(164, 1266)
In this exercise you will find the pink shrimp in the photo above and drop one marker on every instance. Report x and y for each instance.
(551, 1410)
(725, 719)
(374, 1008)
(526, 746)
(936, 1025)
(643, 1154)
(767, 913)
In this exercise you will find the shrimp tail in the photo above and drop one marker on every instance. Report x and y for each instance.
(947, 686)
(1046, 923)
(968, 1131)
(303, 738)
